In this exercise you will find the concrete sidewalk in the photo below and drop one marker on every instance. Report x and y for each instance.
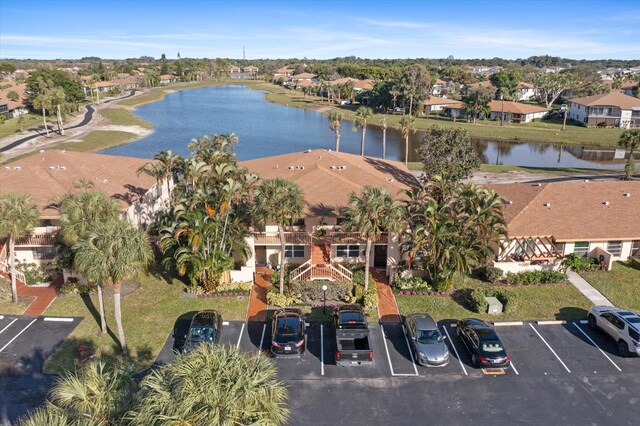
(585, 288)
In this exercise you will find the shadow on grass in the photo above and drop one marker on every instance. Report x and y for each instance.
(571, 312)
(633, 263)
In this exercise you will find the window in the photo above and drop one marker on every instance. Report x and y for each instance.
(581, 248)
(42, 252)
(348, 251)
(294, 251)
(340, 220)
(615, 248)
(635, 249)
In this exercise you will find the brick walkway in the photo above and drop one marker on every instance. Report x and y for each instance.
(257, 310)
(43, 295)
(386, 300)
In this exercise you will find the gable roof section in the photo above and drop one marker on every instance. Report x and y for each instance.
(435, 100)
(326, 189)
(576, 211)
(616, 99)
(515, 107)
(51, 173)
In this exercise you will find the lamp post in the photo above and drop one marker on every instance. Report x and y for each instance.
(324, 298)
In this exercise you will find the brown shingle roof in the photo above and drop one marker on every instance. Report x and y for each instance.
(21, 90)
(303, 76)
(326, 190)
(115, 176)
(435, 100)
(617, 99)
(515, 107)
(577, 210)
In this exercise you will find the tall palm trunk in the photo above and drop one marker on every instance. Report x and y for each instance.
(103, 320)
(384, 143)
(410, 105)
(366, 265)
(364, 132)
(12, 262)
(60, 123)
(117, 286)
(337, 139)
(282, 258)
(44, 120)
(406, 150)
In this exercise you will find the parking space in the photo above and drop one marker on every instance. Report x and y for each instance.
(30, 340)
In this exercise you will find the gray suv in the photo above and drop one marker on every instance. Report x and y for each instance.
(623, 327)
(425, 339)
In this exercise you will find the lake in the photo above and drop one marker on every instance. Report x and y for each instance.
(265, 129)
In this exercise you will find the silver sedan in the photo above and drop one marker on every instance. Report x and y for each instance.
(425, 340)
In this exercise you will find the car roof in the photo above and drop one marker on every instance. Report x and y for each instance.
(424, 321)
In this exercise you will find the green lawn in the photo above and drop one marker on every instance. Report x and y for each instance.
(123, 117)
(544, 131)
(11, 126)
(99, 139)
(621, 285)
(148, 315)
(533, 302)
(7, 307)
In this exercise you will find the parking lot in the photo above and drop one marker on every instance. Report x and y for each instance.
(536, 350)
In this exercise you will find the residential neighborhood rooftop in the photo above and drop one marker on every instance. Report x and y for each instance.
(573, 211)
(617, 99)
(328, 178)
(50, 173)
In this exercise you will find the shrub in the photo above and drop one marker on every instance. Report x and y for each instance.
(71, 286)
(489, 273)
(234, 287)
(578, 263)
(353, 266)
(35, 274)
(535, 277)
(275, 275)
(368, 300)
(281, 300)
(358, 277)
(477, 302)
(311, 291)
(412, 283)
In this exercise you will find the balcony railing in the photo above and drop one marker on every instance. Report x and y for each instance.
(331, 237)
(273, 238)
(36, 240)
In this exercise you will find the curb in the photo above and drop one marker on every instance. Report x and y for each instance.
(507, 323)
(57, 319)
(551, 322)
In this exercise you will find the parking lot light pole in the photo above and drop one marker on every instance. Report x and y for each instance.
(324, 299)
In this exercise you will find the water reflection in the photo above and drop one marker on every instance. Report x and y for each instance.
(267, 129)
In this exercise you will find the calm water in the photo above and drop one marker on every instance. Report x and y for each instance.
(267, 129)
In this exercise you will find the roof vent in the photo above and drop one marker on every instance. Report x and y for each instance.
(63, 151)
(606, 203)
(308, 151)
(41, 151)
(292, 167)
(52, 167)
(333, 167)
(63, 167)
(586, 180)
(627, 194)
(537, 184)
(17, 168)
(547, 205)
(342, 167)
(508, 202)
(7, 167)
(105, 181)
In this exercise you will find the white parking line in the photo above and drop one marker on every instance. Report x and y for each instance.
(550, 348)
(410, 351)
(455, 350)
(594, 344)
(386, 348)
(16, 336)
(240, 336)
(515, 370)
(321, 350)
(264, 328)
(9, 325)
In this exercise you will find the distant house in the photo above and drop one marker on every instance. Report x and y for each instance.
(610, 109)
(437, 104)
(551, 69)
(483, 70)
(250, 69)
(124, 83)
(629, 87)
(358, 85)
(548, 221)
(515, 112)
(285, 71)
(303, 76)
(167, 79)
(526, 91)
(235, 70)
(442, 87)
(10, 108)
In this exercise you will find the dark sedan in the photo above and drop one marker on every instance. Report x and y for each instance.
(483, 344)
(205, 327)
(288, 331)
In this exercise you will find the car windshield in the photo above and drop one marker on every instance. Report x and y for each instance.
(287, 326)
(201, 334)
(429, 336)
(491, 347)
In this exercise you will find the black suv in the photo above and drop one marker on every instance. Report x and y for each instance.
(205, 327)
(288, 331)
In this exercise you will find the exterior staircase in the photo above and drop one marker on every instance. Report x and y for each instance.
(332, 272)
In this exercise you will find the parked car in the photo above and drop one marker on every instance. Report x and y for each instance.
(483, 343)
(288, 333)
(621, 325)
(425, 340)
(352, 336)
(205, 327)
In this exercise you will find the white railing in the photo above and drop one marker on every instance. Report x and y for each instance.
(343, 271)
(6, 268)
(299, 271)
(307, 271)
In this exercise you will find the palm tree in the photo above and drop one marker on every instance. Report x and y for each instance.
(115, 251)
(42, 101)
(334, 124)
(370, 215)
(630, 140)
(18, 216)
(79, 215)
(406, 128)
(212, 385)
(58, 98)
(362, 115)
(383, 123)
(281, 201)
(95, 395)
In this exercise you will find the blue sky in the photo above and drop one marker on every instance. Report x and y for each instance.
(320, 29)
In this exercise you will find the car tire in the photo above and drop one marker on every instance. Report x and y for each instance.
(623, 348)
(592, 321)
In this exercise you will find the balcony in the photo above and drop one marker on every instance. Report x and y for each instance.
(36, 240)
(303, 238)
(273, 238)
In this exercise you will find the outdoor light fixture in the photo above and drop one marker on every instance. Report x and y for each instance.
(324, 301)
